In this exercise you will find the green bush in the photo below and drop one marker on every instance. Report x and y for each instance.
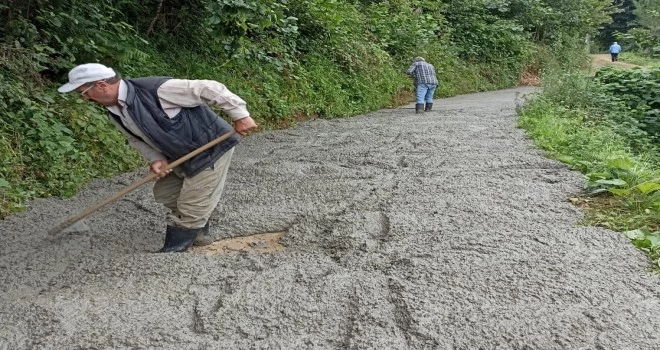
(51, 144)
(639, 91)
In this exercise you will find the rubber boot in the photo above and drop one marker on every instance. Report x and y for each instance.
(204, 237)
(178, 239)
(419, 108)
(428, 107)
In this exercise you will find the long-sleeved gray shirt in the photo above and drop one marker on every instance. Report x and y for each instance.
(175, 94)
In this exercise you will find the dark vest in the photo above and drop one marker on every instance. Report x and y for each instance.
(175, 137)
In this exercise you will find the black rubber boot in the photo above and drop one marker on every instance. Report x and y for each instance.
(178, 239)
(428, 107)
(419, 108)
(204, 237)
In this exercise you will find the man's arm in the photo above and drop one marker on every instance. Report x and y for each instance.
(193, 93)
(411, 70)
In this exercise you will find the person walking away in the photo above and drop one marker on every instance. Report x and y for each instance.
(425, 81)
(165, 119)
(615, 49)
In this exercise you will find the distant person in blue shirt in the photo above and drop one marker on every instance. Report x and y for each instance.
(614, 50)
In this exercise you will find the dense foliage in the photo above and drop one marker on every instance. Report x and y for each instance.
(623, 19)
(636, 25)
(290, 59)
(636, 93)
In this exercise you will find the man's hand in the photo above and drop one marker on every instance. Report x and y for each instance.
(156, 167)
(244, 125)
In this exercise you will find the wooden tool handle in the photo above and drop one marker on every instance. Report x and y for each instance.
(73, 219)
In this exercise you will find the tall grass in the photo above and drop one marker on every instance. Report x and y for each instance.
(640, 60)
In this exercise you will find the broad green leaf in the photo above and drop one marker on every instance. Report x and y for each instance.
(566, 159)
(613, 182)
(619, 191)
(620, 163)
(598, 191)
(634, 234)
(594, 176)
(654, 238)
(648, 187)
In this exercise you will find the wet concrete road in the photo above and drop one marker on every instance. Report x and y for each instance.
(441, 231)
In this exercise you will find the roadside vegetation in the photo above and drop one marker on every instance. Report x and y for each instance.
(608, 127)
(640, 60)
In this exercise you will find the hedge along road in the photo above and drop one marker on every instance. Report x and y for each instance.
(440, 231)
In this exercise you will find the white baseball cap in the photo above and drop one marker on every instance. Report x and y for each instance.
(86, 73)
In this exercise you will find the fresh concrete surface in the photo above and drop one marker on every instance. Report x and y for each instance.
(446, 230)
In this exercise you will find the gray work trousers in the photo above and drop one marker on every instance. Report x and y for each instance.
(193, 199)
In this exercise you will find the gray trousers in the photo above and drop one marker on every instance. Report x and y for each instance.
(193, 199)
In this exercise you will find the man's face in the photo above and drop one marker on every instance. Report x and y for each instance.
(99, 92)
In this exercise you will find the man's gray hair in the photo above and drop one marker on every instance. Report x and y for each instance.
(419, 59)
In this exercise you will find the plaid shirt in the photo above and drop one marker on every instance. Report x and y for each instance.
(423, 72)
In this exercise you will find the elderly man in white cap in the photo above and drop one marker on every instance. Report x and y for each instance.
(165, 119)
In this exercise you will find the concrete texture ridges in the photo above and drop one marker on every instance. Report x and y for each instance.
(446, 230)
